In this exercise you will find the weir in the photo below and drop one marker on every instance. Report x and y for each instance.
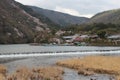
(59, 53)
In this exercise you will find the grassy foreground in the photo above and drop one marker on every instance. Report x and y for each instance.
(3, 71)
(94, 64)
(24, 73)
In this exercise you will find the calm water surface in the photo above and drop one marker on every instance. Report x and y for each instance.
(27, 48)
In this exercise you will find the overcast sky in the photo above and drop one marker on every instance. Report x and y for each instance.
(85, 8)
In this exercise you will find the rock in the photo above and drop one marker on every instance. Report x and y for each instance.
(86, 72)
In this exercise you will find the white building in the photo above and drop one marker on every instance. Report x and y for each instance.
(114, 37)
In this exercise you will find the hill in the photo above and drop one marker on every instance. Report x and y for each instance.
(41, 17)
(16, 25)
(60, 18)
(108, 21)
(111, 16)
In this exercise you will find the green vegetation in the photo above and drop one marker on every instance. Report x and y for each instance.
(94, 28)
(106, 17)
(101, 34)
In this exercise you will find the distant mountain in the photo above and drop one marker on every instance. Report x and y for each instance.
(41, 17)
(60, 18)
(111, 16)
(108, 21)
(17, 25)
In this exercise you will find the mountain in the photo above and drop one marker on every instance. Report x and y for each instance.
(111, 16)
(18, 26)
(41, 17)
(25, 24)
(108, 21)
(60, 18)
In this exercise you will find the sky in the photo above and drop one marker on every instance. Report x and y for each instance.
(82, 8)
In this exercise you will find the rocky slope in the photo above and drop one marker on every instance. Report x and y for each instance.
(17, 25)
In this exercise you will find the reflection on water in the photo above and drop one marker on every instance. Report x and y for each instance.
(72, 75)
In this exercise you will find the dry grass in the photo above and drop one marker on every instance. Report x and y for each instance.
(50, 73)
(24, 73)
(96, 64)
(3, 71)
(47, 73)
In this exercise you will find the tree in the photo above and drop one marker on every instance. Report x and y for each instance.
(101, 34)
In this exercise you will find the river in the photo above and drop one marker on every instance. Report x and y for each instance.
(50, 60)
(28, 48)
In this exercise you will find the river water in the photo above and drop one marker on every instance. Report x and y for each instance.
(50, 60)
(19, 48)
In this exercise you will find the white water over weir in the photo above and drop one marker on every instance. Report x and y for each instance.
(61, 53)
(26, 50)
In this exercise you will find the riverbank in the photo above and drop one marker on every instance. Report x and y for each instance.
(94, 64)
(46, 61)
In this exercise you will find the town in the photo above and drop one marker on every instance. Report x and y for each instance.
(101, 39)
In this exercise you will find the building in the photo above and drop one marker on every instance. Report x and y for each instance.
(75, 38)
(70, 39)
(114, 37)
(93, 37)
